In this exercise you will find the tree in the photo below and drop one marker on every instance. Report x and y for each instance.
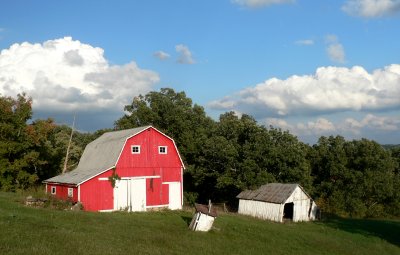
(18, 163)
(174, 114)
(354, 178)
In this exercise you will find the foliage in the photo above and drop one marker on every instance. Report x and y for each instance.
(32, 152)
(113, 178)
(355, 178)
(20, 164)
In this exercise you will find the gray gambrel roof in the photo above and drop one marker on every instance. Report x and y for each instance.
(99, 156)
(276, 193)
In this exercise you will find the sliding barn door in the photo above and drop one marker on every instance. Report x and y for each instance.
(130, 195)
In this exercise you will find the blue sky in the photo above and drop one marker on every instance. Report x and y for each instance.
(312, 67)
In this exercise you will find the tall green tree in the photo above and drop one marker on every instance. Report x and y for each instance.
(174, 114)
(355, 178)
(19, 164)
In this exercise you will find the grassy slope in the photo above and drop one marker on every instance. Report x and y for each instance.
(26, 230)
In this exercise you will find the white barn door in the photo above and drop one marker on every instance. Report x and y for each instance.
(130, 195)
(138, 195)
(175, 201)
(121, 195)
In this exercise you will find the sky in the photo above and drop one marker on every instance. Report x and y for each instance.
(315, 68)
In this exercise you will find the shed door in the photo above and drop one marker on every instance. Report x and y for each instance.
(175, 201)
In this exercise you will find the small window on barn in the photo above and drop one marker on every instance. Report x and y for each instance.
(135, 149)
(162, 149)
(53, 190)
(70, 192)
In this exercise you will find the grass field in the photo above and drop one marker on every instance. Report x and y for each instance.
(25, 230)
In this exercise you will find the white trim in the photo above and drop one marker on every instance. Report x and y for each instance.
(132, 177)
(176, 148)
(95, 176)
(165, 148)
(70, 190)
(156, 206)
(182, 186)
(129, 137)
(55, 190)
(169, 182)
(108, 210)
(46, 188)
(140, 177)
(134, 152)
(79, 193)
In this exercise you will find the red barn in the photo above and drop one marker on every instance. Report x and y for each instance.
(143, 163)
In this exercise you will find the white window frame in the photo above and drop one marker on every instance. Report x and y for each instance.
(70, 192)
(135, 146)
(163, 147)
(53, 190)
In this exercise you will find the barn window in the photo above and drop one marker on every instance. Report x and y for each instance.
(70, 192)
(162, 149)
(135, 149)
(53, 190)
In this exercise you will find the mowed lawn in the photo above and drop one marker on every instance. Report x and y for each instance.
(25, 230)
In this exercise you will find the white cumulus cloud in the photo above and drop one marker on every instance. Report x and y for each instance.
(64, 75)
(329, 90)
(368, 126)
(371, 121)
(371, 8)
(185, 55)
(260, 3)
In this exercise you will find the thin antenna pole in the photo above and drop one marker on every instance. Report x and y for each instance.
(69, 145)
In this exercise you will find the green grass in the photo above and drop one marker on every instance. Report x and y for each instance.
(25, 230)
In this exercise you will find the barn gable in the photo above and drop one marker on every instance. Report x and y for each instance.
(277, 201)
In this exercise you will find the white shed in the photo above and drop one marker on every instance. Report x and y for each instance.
(278, 202)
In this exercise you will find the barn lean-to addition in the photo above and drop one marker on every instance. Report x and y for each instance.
(277, 202)
(143, 163)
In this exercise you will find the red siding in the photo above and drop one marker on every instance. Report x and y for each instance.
(62, 191)
(154, 194)
(150, 163)
(97, 194)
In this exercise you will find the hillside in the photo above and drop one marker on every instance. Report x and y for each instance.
(25, 230)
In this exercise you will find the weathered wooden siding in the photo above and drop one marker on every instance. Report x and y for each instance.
(262, 210)
(301, 204)
(314, 211)
(271, 211)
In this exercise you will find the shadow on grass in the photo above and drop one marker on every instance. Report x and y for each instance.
(388, 230)
(187, 220)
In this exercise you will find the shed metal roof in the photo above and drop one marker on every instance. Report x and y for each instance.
(276, 193)
(99, 156)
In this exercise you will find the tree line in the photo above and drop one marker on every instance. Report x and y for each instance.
(358, 178)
